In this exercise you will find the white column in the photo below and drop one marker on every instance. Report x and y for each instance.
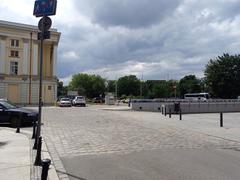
(35, 59)
(25, 58)
(55, 60)
(2, 56)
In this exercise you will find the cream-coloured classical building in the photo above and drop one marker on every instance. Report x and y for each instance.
(19, 64)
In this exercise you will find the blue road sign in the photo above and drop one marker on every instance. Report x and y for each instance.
(45, 8)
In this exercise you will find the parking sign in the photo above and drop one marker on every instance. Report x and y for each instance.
(44, 8)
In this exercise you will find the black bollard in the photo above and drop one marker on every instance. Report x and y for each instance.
(45, 167)
(19, 123)
(162, 110)
(165, 111)
(180, 114)
(170, 113)
(38, 160)
(34, 129)
(36, 139)
(221, 119)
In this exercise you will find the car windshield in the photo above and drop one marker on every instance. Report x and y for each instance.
(65, 99)
(8, 105)
(80, 97)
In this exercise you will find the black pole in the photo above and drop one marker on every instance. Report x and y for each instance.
(162, 110)
(40, 81)
(19, 123)
(36, 139)
(34, 129)
(45, 167)
(38, 160)
(165, 109)
(170, 113)
(180, 114)
(221, 119)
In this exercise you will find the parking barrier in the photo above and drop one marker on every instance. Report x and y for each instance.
(38, 161)
(45, 167)
(19, 123)
(180, 114)
(34, 129)
(221, 119)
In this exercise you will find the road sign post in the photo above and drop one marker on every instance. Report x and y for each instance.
(45, 8)
(42, 8)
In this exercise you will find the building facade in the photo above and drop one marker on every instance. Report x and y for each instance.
(19, 64)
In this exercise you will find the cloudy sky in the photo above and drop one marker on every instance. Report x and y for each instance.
(153, 39)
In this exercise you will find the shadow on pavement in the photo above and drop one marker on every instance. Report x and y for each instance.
(9, 125)
(71, 175)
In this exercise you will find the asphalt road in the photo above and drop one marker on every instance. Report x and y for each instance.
(95, 143)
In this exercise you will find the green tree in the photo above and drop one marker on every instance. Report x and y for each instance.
(61, 90)
(189, 84)
(88, 85)
(111, 85)
(161, 90)
(223, 76)
(128, 85)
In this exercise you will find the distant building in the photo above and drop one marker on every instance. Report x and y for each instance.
(19, 64)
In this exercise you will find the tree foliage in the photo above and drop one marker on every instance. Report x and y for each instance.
(88, 85)
(128, 85)
(61, 90)
(111, 85)
(189, 84)
(223, 76)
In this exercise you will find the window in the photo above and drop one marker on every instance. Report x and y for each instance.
(14, 68)
(49, 88)
(15, 43)
(14, 54)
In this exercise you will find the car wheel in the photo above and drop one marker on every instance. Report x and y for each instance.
(14, 121)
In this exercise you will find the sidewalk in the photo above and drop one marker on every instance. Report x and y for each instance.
(14, 156)
(17, 157)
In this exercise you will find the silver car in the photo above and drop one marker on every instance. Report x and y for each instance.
(79, 101)
(65, 102)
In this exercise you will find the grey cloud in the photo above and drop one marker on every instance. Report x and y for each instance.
(131, 13)
(185, 38)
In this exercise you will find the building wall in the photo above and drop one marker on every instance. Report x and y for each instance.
(23, 88)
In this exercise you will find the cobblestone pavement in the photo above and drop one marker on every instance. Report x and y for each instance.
(91, 130)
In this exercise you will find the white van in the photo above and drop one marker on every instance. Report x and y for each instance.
(197, 96)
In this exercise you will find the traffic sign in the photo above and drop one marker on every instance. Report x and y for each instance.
(44, 35)
(44, 24)
(45, 8)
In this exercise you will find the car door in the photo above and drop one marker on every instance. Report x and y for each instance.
(4, 116)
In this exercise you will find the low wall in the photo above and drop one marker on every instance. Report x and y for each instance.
(188, 107)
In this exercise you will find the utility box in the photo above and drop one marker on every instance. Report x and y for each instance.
(109, 99)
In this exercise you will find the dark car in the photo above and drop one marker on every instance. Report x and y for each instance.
(98, 100)
(10, 113)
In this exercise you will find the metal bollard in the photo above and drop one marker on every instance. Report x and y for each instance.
(180, 114)
(162, 110)
(170, 113)
(19, 123)
(38, 160)
(165, 111)
(36, 139)
(221, 119)
(34, 129)
(45, 167)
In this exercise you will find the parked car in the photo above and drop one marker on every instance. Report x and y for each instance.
(65, 102)
(79, 101)
(10, 113)
(98, 100)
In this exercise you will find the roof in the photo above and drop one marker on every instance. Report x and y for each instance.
(21, 26)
